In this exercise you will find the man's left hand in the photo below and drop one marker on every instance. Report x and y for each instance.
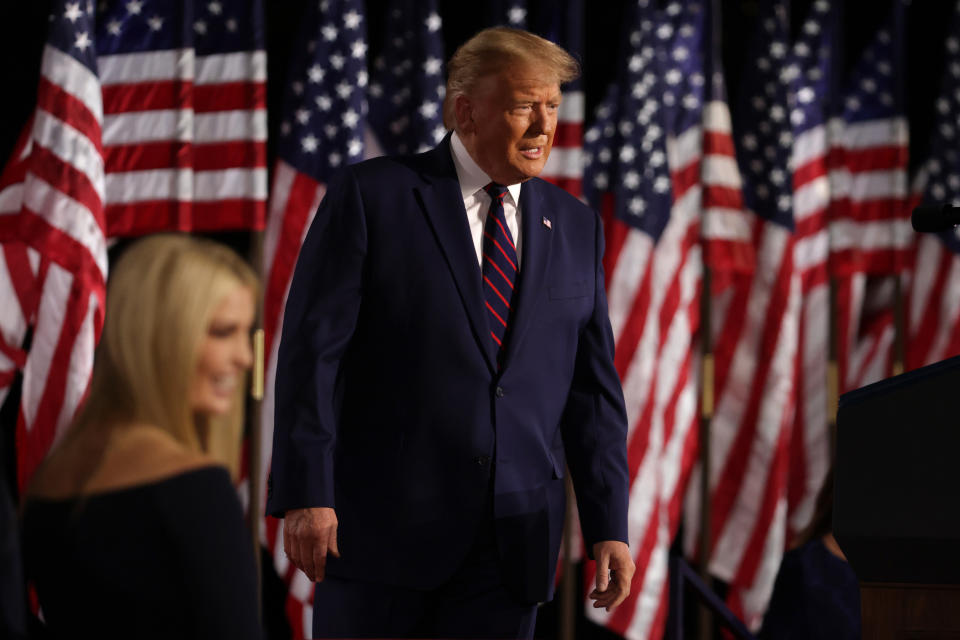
(614, 573)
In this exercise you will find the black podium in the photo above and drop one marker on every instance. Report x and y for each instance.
(897, 501)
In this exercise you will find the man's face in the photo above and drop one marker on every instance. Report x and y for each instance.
(508, 120)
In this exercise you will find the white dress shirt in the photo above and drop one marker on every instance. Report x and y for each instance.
(476, 201)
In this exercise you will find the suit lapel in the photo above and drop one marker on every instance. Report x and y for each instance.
(534, 261)
(443, 205)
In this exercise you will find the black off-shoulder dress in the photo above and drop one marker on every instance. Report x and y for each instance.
(169, 559)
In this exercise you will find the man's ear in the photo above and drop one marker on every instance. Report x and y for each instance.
(463, 111)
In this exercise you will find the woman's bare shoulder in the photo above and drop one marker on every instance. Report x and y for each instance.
(131, 456)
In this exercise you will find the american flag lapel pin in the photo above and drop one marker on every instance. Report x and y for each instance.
(547, 223)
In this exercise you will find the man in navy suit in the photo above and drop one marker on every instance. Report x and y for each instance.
(446, 355)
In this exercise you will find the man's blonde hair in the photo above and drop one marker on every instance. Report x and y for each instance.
(494, 49)
(160, 301)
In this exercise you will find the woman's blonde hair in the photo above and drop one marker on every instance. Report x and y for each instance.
(160, 299)
(494, 49)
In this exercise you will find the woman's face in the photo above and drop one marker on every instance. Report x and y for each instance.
(225, 354)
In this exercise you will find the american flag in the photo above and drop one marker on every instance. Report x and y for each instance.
(322, 128)
(870, 229)
(561, 23)
(643, 171)
(407, 86)
(757, 341)
(52, 200)
(869, 223)
(934, 304)
(812, 75)
(161, 133)
(184, 98)
(869, 234)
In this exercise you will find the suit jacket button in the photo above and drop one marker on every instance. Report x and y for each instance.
(499, 392)
(482, 460)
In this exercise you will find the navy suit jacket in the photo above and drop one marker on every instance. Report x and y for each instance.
(389, 404)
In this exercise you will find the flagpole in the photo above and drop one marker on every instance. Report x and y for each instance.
(707, 379)
(833, 372)
(900, 326)
(254, 508)
(706, 413)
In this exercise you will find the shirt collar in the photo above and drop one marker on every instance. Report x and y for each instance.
(471, 177)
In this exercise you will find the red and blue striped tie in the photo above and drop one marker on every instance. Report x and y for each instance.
(499, 267)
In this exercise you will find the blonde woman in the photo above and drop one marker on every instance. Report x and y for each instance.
(131, 526)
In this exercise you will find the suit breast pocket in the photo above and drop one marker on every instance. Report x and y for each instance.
(568, 290)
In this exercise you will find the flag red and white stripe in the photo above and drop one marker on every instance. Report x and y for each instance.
(869, 230)
(727, 227)
(184, 140)
(871, 334)
(18, 269)
(933, 304)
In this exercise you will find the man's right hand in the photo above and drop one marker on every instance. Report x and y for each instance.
(308, 535)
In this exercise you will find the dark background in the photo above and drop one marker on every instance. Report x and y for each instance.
(23, 29)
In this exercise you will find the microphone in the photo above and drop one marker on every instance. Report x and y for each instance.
(935, 217)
